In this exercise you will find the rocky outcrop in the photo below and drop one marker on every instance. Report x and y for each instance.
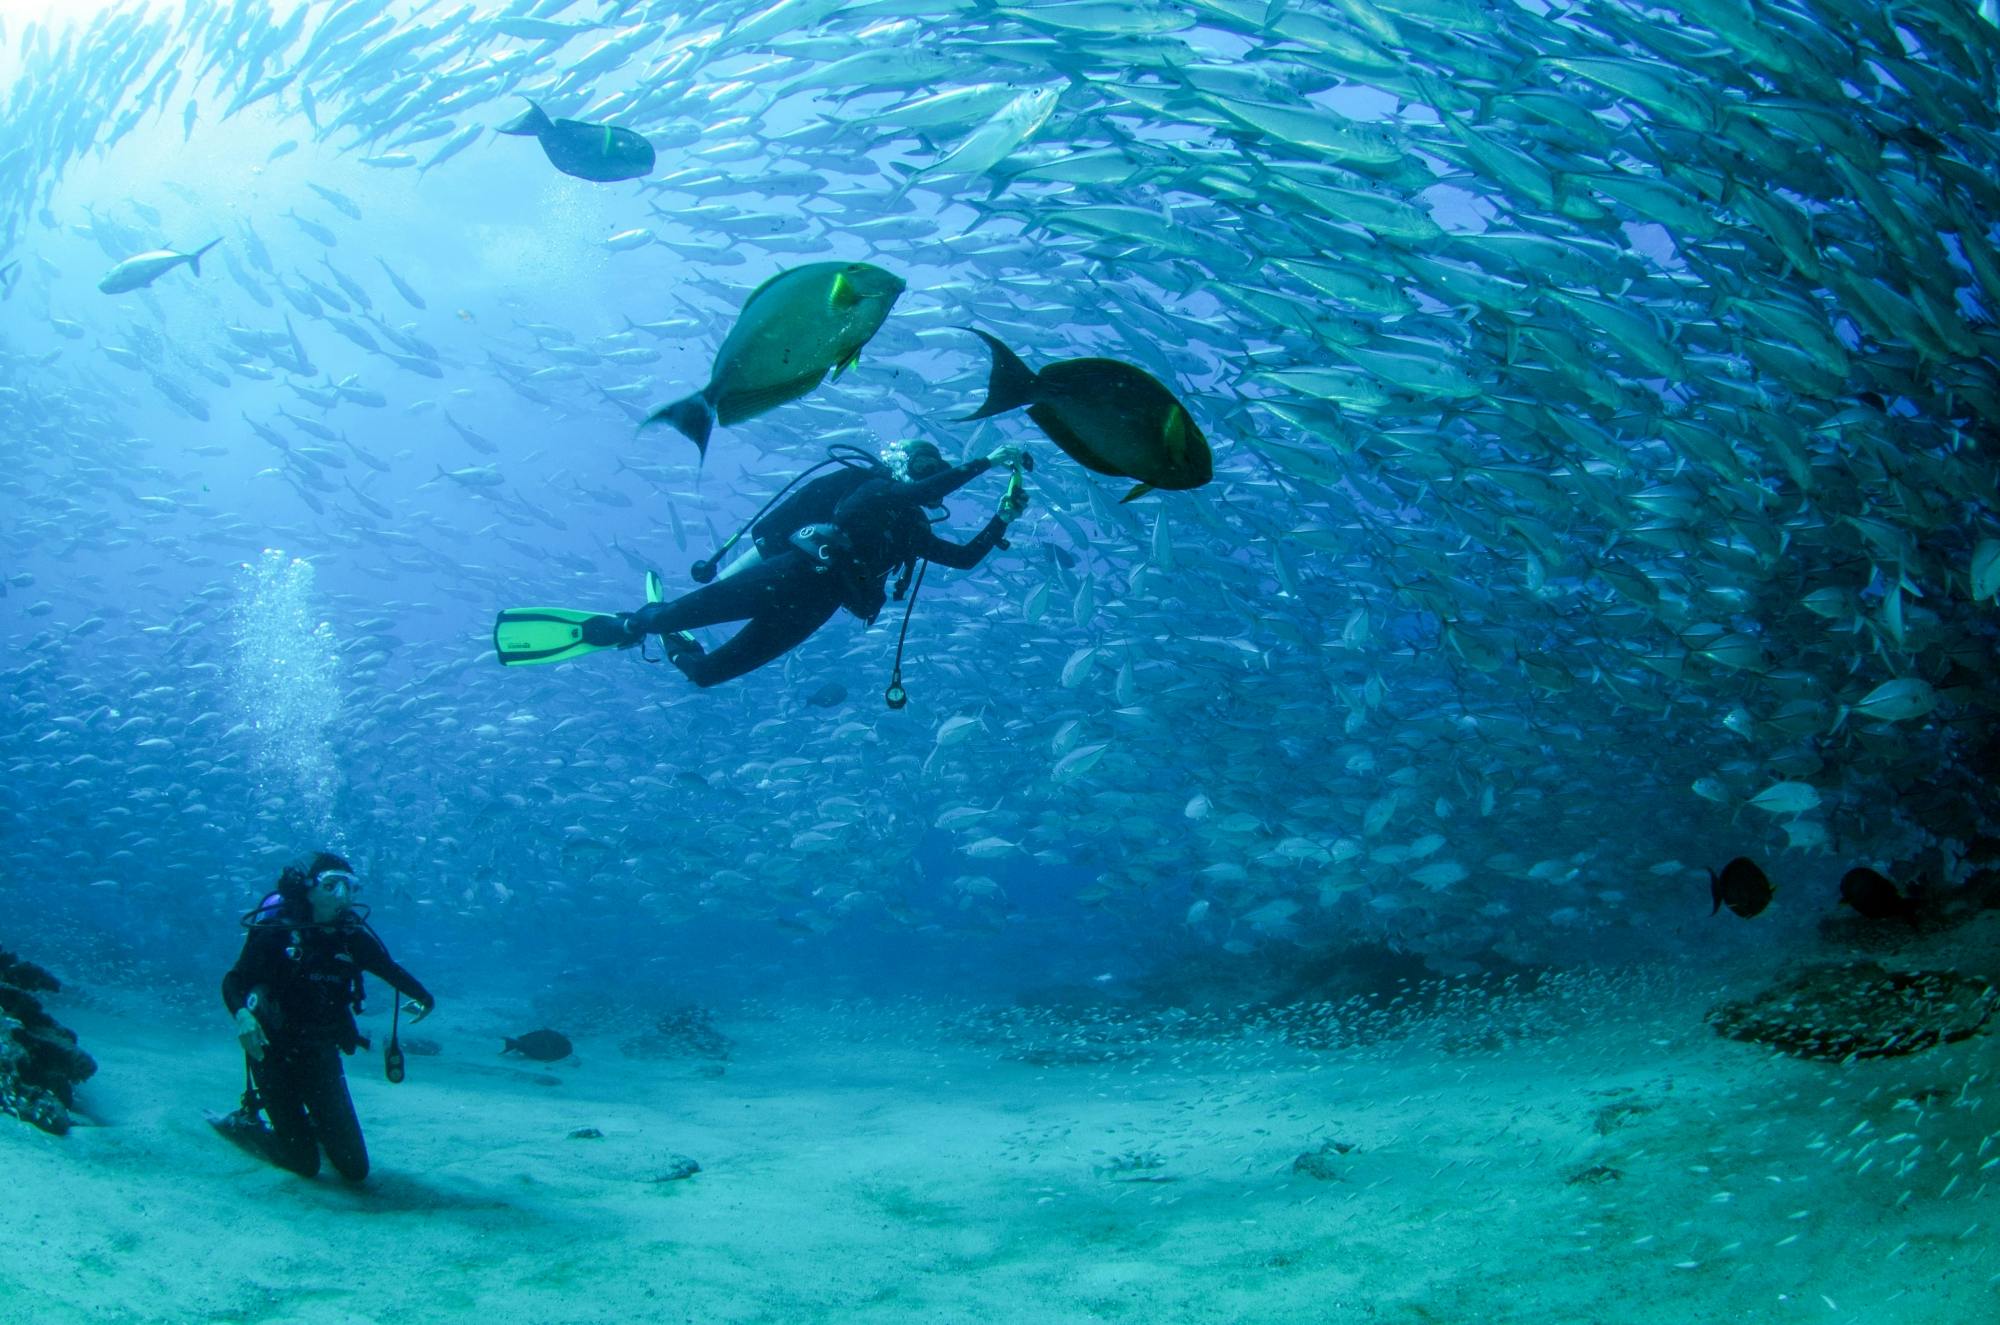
(1858, 1010)
(40, 1064)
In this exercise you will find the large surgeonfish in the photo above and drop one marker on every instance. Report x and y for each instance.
(143, 269)
(603, 153)
(792, 330)
(1107, 415)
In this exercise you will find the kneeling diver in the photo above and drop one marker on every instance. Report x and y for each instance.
(832, 544)
(293, 992)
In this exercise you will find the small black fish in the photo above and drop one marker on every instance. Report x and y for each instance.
(833, 692)
(1741, 887)
(1873, 896)
(542, 1046)
(601, 153)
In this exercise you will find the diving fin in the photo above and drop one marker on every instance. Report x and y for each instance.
(524, 635)
(656, 588)
(245, 1129)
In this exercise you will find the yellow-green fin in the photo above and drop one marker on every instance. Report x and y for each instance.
(843, 293)
(1138, 490)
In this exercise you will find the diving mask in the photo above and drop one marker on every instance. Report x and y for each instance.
(337, 883)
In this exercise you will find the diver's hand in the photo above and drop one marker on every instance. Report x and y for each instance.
(418, 1010)
(1011, 457)
(250, 1034)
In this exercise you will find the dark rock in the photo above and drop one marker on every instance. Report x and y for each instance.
(1319, 1164)
(40, 1063)
(1858, 1010)
(1134, 1166)
(1611, 1117)
(677, 1168)
(586, 1134)
(687, 1032)
(26, 975)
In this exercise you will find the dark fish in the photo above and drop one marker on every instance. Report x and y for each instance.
(827, 695)
(542, 1046)
(1741, 887)
(1107, 415)
(1873, 896)
(603, 153)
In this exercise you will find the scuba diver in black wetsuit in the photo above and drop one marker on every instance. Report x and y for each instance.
(294, 991)
(832, 544)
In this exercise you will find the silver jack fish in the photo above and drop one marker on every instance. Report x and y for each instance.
(141, 270)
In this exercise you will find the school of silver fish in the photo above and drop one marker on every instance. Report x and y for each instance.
(1605, 408)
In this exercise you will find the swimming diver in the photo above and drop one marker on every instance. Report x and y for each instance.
(832, 544)
(294, 991)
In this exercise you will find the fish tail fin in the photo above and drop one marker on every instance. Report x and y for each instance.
(909, 174)
(1011, 384)
(194, 258)
(507, 1044)
(691, 417)
(529, 123)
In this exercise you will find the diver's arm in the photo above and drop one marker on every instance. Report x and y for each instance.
(963, 556)
(933, 490)
(372, 957)
(252, 971)
(880, 499)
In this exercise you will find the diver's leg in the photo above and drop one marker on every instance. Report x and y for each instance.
(780, 627)
(290, 1144)
(333, 1113)
(734, 598)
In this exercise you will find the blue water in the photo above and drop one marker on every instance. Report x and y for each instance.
(1602, 402)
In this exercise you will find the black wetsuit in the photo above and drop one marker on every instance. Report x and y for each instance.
(308, 983)
(789, 594)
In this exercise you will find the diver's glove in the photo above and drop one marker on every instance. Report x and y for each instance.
(418, 1010)
(1011, 457)
(250, 1034)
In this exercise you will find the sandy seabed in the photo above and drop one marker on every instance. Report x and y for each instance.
(1608, 1160)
